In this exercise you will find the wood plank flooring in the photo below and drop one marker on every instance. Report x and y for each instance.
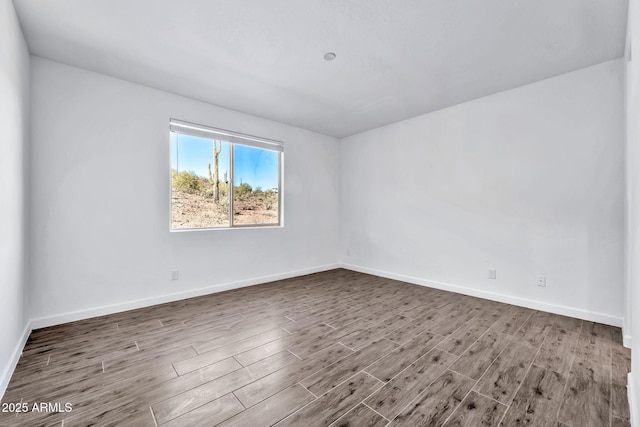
(337, 348)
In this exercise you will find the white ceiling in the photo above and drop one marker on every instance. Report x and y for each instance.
(396, 58)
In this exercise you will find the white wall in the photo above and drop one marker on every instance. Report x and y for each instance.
(529, 181)
(14, 113)
(632, 297)
(100, 199)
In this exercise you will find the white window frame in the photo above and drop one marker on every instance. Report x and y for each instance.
(233, 138)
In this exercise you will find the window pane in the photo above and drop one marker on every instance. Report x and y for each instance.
(199, 182)
(256, 185)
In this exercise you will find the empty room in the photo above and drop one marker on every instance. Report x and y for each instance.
(320, 213)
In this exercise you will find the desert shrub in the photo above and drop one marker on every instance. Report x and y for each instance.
(185, 181)
(271, 200)
(243, 189)
(224, 189)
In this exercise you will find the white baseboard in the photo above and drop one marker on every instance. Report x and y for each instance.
(626, 341)
(633, 403)
(523, 302)
(73, 316)
(13, 361)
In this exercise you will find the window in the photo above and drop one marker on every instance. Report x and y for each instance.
(222, 179)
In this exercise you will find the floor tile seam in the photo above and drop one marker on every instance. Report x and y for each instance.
(301, 379)
(361, 370)
(520, 385)
(462, 400)
(413, 363)
(364, 403)
(199, 406)
(333, 388)
(214, 379)
(469, 346)
(234, 354)
(419, 395)
(492, 362)
(573, 360)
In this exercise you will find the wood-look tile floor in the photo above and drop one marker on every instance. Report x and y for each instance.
(337, 348)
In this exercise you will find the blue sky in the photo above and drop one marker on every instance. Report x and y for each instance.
(258, 168)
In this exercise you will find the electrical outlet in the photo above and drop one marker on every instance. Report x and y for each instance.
(174, 274)
(492, 273)
(542, 281)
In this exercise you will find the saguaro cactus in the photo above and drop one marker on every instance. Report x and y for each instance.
(217, 147)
